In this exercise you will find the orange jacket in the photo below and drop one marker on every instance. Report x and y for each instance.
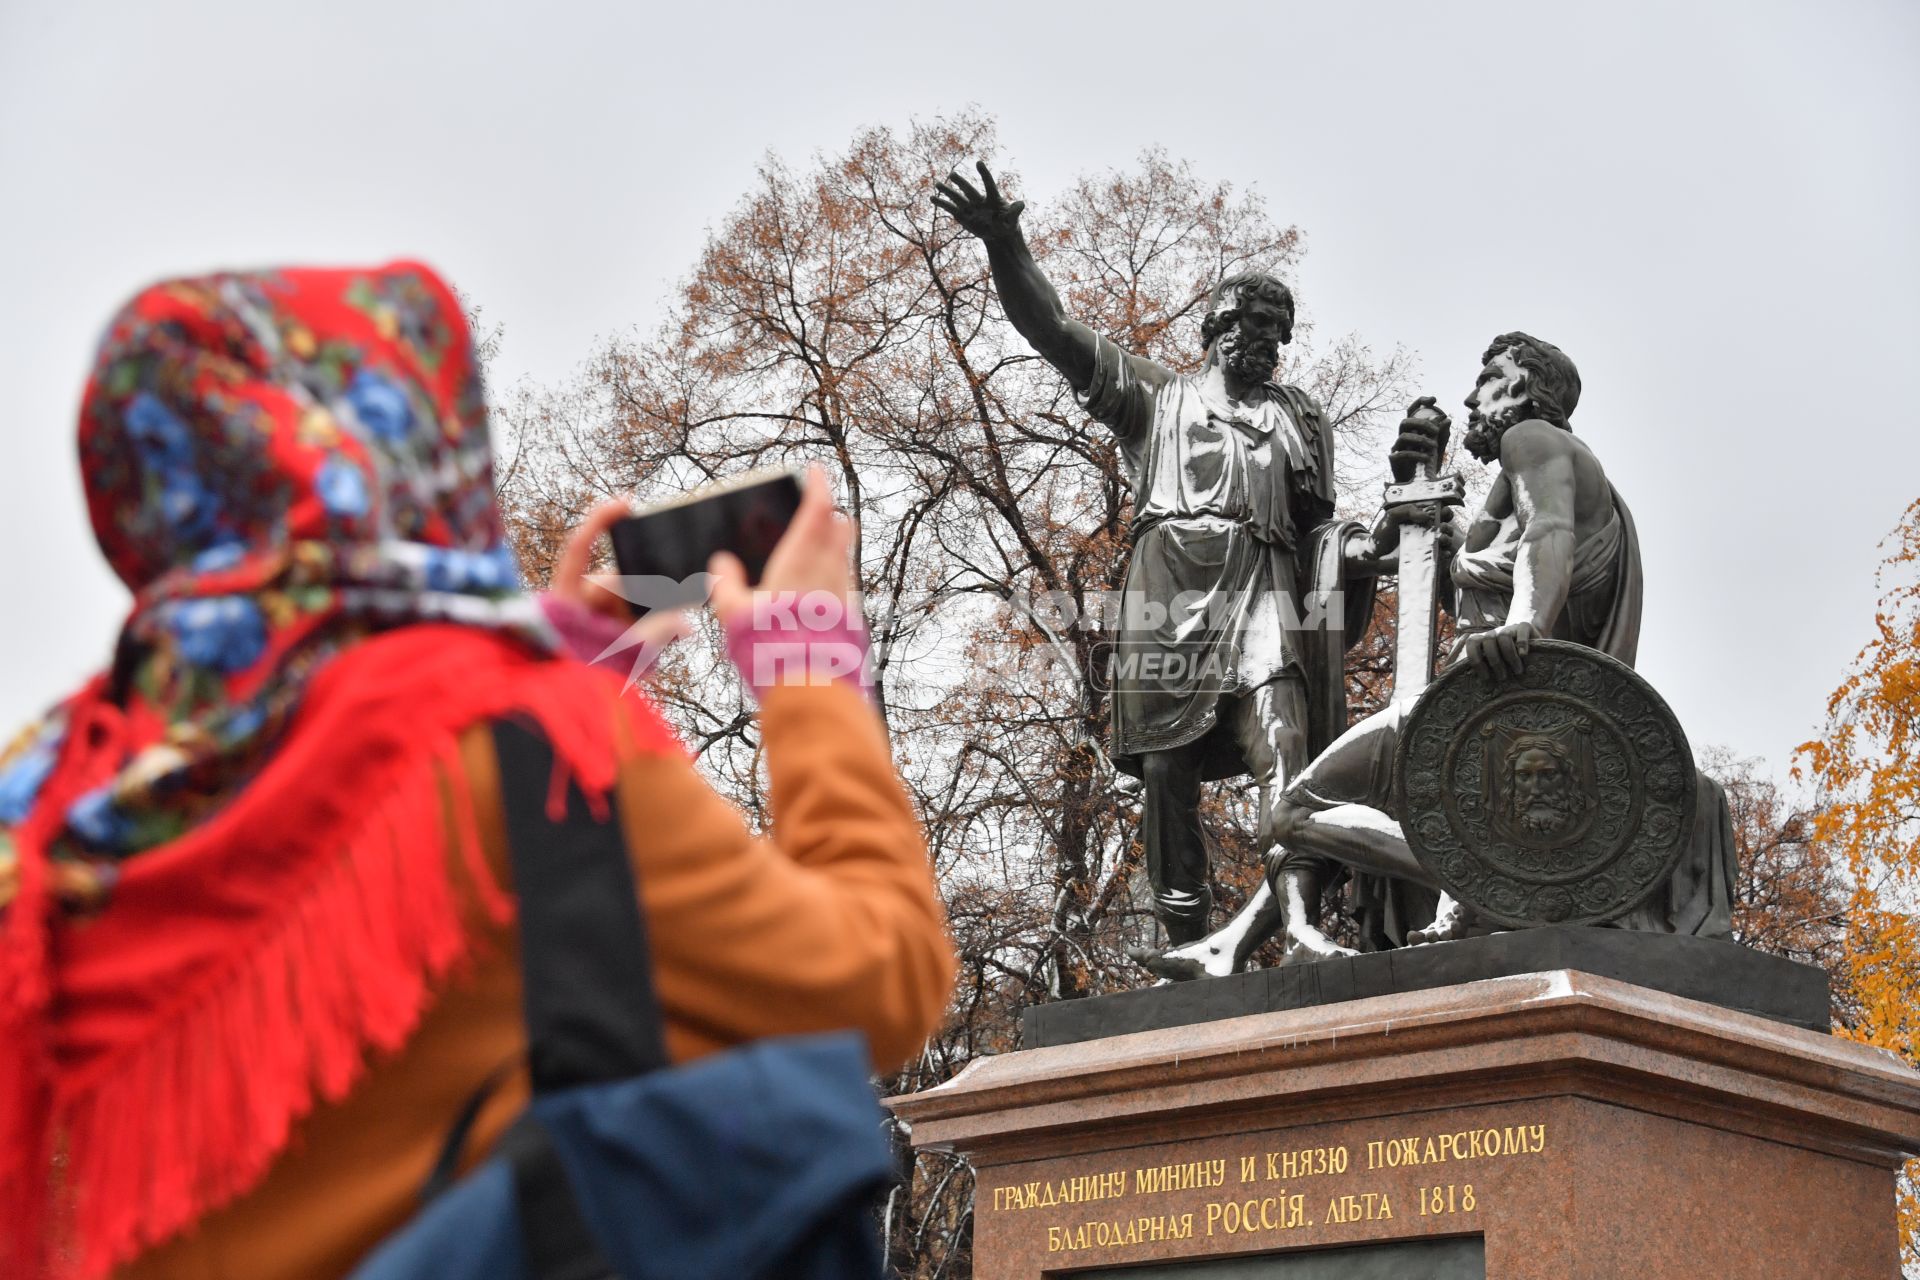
(833, 922)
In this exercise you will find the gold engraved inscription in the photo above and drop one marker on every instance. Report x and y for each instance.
(1285, 1209)
(1467, 1144)
(1447, 1199)
(1181, 1177)
(1110, 1235)
(1366, 1206)
(1046, 1193)
(1265, 1213)
(1291, 1166)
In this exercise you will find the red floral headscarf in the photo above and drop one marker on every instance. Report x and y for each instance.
(276, 464)
(243, 880)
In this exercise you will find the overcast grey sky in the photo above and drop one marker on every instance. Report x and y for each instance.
(1711, 207)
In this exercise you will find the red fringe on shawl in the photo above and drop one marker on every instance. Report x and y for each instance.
(313, 918)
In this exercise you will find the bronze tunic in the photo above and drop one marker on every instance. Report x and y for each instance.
(1213, 601)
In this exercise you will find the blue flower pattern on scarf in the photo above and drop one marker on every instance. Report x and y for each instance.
(97, 820)
(342, 488)
(166, 449)
(381, 406)
(21, 780)
(225, 633)
(471, 572)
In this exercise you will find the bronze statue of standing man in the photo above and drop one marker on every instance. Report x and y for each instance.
(1234, 613)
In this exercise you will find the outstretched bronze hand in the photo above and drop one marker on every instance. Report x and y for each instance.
(1031, 303)
(984, 213)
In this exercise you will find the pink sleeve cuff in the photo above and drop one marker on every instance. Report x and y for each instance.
(775, 649)
(583, 633)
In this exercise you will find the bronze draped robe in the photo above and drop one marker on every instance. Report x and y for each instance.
(1236, 577)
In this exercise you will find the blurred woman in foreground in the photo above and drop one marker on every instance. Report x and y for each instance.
(257, 944)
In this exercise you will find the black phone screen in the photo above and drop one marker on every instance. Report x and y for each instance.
(671, 544)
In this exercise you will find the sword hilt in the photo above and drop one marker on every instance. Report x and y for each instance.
(1447, 490)
(1427, 484)
(1428, 494)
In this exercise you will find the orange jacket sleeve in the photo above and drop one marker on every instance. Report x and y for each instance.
(832, 922)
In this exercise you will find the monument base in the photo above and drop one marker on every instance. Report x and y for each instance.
(1547, 1126)
(1705, 969)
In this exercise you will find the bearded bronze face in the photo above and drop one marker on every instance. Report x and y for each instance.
(1539, 784)
(1543, 797)
(1250, 347)
(1498, 400)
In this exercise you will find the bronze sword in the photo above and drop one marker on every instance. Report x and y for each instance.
(1418, 505)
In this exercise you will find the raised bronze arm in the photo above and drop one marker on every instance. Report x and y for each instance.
(1032, 304)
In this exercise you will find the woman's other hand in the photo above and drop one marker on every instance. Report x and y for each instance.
(609, 618)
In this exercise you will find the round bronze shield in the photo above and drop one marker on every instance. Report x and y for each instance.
(1563, 796)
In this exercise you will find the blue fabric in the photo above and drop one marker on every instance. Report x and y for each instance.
(758, 1162)
(724, 1167)
(470, 1233)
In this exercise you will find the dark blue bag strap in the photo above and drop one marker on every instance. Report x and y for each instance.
(591, 1014)
(587, 991)
(587, 979)
(555, 1241)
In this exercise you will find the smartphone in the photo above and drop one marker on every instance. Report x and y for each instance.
(671, 543)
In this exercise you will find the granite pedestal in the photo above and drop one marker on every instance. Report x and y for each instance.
(1540, 1126)
(1722, 973)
